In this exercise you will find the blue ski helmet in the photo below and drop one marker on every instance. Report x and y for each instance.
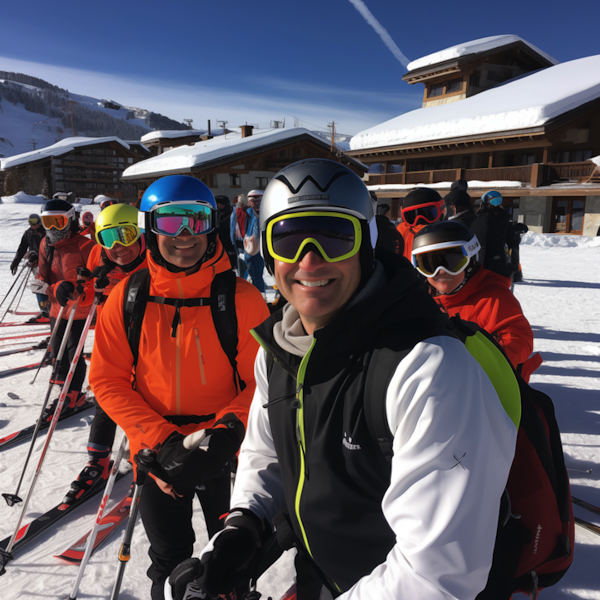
(169, 190)
(493, 197)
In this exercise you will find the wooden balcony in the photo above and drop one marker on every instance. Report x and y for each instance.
(537, 174)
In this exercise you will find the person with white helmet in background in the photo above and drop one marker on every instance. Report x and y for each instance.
(252, 257)
(120, 251)
(173, 357)
(62, 252)
(416, 522)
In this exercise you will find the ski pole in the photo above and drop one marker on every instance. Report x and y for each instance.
(12, 499)
(49, 346)
(6, 555)
(14, 283)
(124, 551)
(92, 537)
(21, 284)
(23, 290)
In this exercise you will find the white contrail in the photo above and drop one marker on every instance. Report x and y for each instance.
(380, 30)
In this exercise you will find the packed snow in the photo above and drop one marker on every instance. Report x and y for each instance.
(473, 47)
(530, 101)
(561, 298)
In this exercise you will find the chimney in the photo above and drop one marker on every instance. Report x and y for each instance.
(208, 135)
(246, 130)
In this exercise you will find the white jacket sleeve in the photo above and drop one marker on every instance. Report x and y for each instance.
(453, 448)
(258, 485)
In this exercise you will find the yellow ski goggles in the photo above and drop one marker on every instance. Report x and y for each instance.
(337, 236)
(125, 235)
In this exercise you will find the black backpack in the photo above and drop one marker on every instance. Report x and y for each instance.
(536, 529)
(222, 307)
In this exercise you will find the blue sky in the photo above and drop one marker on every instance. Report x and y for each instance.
(240, 61)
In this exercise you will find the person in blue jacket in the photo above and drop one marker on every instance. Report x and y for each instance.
(237, 230)
(252, 257)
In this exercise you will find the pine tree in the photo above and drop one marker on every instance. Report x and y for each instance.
(11, 186)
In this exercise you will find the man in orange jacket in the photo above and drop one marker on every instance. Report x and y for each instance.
(183, 381)
(420, 207)
(62, 251)
(446, 254)
(120, 251)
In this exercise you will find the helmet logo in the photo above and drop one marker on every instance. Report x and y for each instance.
(308, 198)
(324, 188)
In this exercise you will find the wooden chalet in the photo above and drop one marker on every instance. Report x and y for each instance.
(544, 171)
(87, 167)
(239, 161)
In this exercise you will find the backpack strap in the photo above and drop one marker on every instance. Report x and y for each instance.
(137, 291)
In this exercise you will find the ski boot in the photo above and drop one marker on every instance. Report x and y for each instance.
(73, 400)
(41, 318)
(97, 469)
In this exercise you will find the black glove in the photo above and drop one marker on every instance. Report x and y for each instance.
(185, 469)
(32, 258)
(63, 292)
(14, 265)
(229, 565)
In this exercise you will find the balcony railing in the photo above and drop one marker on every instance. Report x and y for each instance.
(536, 174)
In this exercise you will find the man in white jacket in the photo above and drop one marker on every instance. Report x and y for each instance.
(411, 515)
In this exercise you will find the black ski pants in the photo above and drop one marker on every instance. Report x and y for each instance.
(72, 341)
(168, 525)
(102, 432)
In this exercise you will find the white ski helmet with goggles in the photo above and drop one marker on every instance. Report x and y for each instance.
(313, 187)
(445, 246)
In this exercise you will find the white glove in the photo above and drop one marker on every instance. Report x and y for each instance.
(39, 287)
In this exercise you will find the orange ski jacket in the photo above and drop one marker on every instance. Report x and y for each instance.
(408, 233)
(486, 300)
(67, 255)
(185, 375)
(114, 277)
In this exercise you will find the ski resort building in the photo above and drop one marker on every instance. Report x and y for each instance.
(87, 167)
(501, 114)
(241, 160)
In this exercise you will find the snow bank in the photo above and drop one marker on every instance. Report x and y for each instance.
(523, 103)
(473, 47)
(550, 240)
(23, 198)
(596, 160)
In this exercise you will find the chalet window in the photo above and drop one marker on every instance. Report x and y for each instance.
(474, 79)
(568, 156)
(234, 180)
(435, 89)
(528, 158)
(261, 183)
(454, 85)
(282, 154)
(377, 169)
(211, 180)
(567, 215)
(394, 168)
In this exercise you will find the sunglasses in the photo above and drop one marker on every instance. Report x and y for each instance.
(55, 221)
(428, 213)
(125, 235)
(172, 219)
(337, 236)
(451, 260)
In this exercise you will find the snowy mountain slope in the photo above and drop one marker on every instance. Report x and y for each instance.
(561, 298)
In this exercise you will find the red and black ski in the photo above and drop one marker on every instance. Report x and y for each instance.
(587, 525)
(26, 335)
(17, 350)
(586, 505)
(25, 323)
(109, 523)
(27, 432)
(29, 532)
(17, 370)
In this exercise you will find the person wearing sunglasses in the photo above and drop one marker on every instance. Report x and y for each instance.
(183, 381)
(446, 254)
(420, 208)
(62, 251)
(368, 526)
(120, 251)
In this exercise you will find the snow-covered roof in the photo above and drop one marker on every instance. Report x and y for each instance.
(473, 47)
(175, 133)
(58, 149)
(184, 158)
(523, 103)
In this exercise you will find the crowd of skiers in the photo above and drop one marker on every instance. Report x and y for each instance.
(189, 363)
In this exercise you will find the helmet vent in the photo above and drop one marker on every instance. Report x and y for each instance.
(308, 198)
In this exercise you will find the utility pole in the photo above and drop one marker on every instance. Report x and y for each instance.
(189, 122)
(223, 124)
(332, 126)
(33, 143)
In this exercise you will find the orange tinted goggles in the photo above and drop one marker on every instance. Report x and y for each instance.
(58, 221)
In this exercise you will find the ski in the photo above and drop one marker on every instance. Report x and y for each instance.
(109, 523)
(24, 323)
(27, 335)
(18, 436)
(17, 350)
(586, 505)
(587, 525)
(17, 312)
(17, 370)
(29, 532)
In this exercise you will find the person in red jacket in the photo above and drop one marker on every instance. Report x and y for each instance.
(446, 254)
(183, 381)
(88, 225)
(119, 252)
(62, 251)
(420, 207)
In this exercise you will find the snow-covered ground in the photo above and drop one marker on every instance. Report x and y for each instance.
(561, 298)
